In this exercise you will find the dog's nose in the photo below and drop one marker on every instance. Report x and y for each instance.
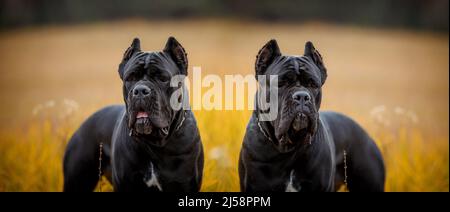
(301, 97)
(141, 90)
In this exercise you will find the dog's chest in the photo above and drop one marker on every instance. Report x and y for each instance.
(291, 184)
(151, 178)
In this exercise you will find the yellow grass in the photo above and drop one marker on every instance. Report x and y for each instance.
(393, 82)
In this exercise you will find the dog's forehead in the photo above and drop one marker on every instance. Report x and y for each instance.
(146, 59)
(295, 63)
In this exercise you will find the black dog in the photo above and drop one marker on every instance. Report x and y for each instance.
(146, 145)
(302, 149)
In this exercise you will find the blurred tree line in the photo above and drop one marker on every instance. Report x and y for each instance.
(417, 14)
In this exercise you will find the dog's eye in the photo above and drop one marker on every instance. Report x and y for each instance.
(163, 78)
(286, 79)
(312, 83)
(132, 77)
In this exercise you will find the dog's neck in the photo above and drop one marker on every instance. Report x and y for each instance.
(303, 158)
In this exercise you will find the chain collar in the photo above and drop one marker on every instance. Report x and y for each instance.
(262, 130)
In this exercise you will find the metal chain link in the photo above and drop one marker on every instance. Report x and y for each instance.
(100, 167)
(345, 170)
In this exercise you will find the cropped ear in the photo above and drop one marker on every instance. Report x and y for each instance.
(315, 56)
(132, 50)
(266, 56)
(177, 53)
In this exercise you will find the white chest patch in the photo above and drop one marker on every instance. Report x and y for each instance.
(151, 178)
(290, 184)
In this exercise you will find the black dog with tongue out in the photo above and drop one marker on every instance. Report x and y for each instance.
(302, 149)
(146, 145)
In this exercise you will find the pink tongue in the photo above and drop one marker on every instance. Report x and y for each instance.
(142, 115)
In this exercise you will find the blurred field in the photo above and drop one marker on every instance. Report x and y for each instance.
(393, 82)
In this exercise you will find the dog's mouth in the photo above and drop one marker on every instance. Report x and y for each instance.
(299, 130)
(141, 124)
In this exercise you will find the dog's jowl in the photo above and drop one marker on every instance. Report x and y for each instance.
(146, 144)
(303, 149)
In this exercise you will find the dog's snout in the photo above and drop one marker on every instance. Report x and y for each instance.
(301, 97)
(141, 90)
